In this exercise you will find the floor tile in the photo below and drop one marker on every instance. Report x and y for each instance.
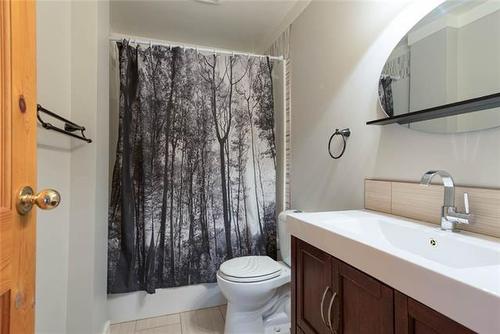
(123, 328)
(161, 321)
(169, 329)
(223, 310)
(205, 321)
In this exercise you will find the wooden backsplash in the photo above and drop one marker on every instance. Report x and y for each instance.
(415, 201)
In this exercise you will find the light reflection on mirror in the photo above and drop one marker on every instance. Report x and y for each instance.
(451, 55)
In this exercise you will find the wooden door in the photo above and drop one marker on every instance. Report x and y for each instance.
(366, 304)
(412, 317)
(17, 164)
(313, 289)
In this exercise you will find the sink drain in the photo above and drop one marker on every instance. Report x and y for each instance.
(433, 242)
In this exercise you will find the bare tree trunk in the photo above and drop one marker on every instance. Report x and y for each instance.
(247, 229)
(215, 228)
(222, 125)
(241, 168)
(191, 224)
(227, 224)
(167, 126)
(230, 191)
(180, 208)
(250, 117)
(237, 220)
(203, 206)
(261, 184)
(128, 255)
(172, 255)
(150, 257)
(273, 142)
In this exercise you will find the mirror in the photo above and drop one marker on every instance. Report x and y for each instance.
(450, 56)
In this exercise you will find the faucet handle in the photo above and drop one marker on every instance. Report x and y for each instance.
(466, 202)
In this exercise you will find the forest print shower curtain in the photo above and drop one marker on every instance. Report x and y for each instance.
(194, 178)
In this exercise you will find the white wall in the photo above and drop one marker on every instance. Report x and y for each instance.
(429, 71)
(54, 92)
(338, 50)
(72, 66)
(479, 57)
(87, 311)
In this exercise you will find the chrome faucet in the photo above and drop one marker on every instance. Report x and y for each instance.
(449, 214)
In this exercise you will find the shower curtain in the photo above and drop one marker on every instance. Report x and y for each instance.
(194, 180)
(385, 94)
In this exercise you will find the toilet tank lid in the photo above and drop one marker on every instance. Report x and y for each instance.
(250, 266)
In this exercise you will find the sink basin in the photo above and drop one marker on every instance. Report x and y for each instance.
(447, 248)
(452, 249)
(457, 274)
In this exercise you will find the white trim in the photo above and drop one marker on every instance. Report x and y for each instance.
(107, 328)
(283, 137)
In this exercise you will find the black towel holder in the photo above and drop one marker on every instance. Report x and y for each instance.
(69, 127)
(344, 133)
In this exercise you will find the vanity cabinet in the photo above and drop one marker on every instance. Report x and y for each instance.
(332, 297)
(313, 288)
(412, 317)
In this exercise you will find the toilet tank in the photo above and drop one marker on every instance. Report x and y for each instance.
(284, 237)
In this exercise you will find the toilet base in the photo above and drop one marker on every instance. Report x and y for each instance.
(273, 318)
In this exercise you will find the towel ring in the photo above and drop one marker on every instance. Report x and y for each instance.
(344, 134)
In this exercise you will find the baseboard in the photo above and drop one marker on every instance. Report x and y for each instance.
(107, 328)
(139, 305)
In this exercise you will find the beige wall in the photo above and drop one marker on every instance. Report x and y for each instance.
(338, 49)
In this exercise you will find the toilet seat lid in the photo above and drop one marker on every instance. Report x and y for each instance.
(250, 269)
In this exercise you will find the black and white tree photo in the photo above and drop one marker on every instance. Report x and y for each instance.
(194, 181)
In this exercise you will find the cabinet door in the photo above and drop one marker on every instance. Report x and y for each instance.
(313, 290)
(412, 317)
(366, 305)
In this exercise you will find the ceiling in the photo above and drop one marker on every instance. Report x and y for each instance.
(241, 25)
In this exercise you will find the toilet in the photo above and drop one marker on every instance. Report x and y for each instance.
(257, 289)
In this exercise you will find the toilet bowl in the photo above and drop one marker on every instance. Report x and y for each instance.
(254, 303)
(257, 289)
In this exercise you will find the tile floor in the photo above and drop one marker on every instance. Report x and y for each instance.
(204, 321)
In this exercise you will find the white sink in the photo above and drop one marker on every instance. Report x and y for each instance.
(458, 274)
(449, 249)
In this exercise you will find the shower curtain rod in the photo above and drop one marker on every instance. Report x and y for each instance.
(173, 45)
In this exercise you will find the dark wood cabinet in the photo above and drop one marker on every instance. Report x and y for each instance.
(332, 297)
(367, 305)
(412, 317)
(313, 287)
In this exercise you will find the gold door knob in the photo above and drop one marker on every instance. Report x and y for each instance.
(46, 199)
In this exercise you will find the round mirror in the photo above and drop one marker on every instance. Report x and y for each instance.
(449, 58)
